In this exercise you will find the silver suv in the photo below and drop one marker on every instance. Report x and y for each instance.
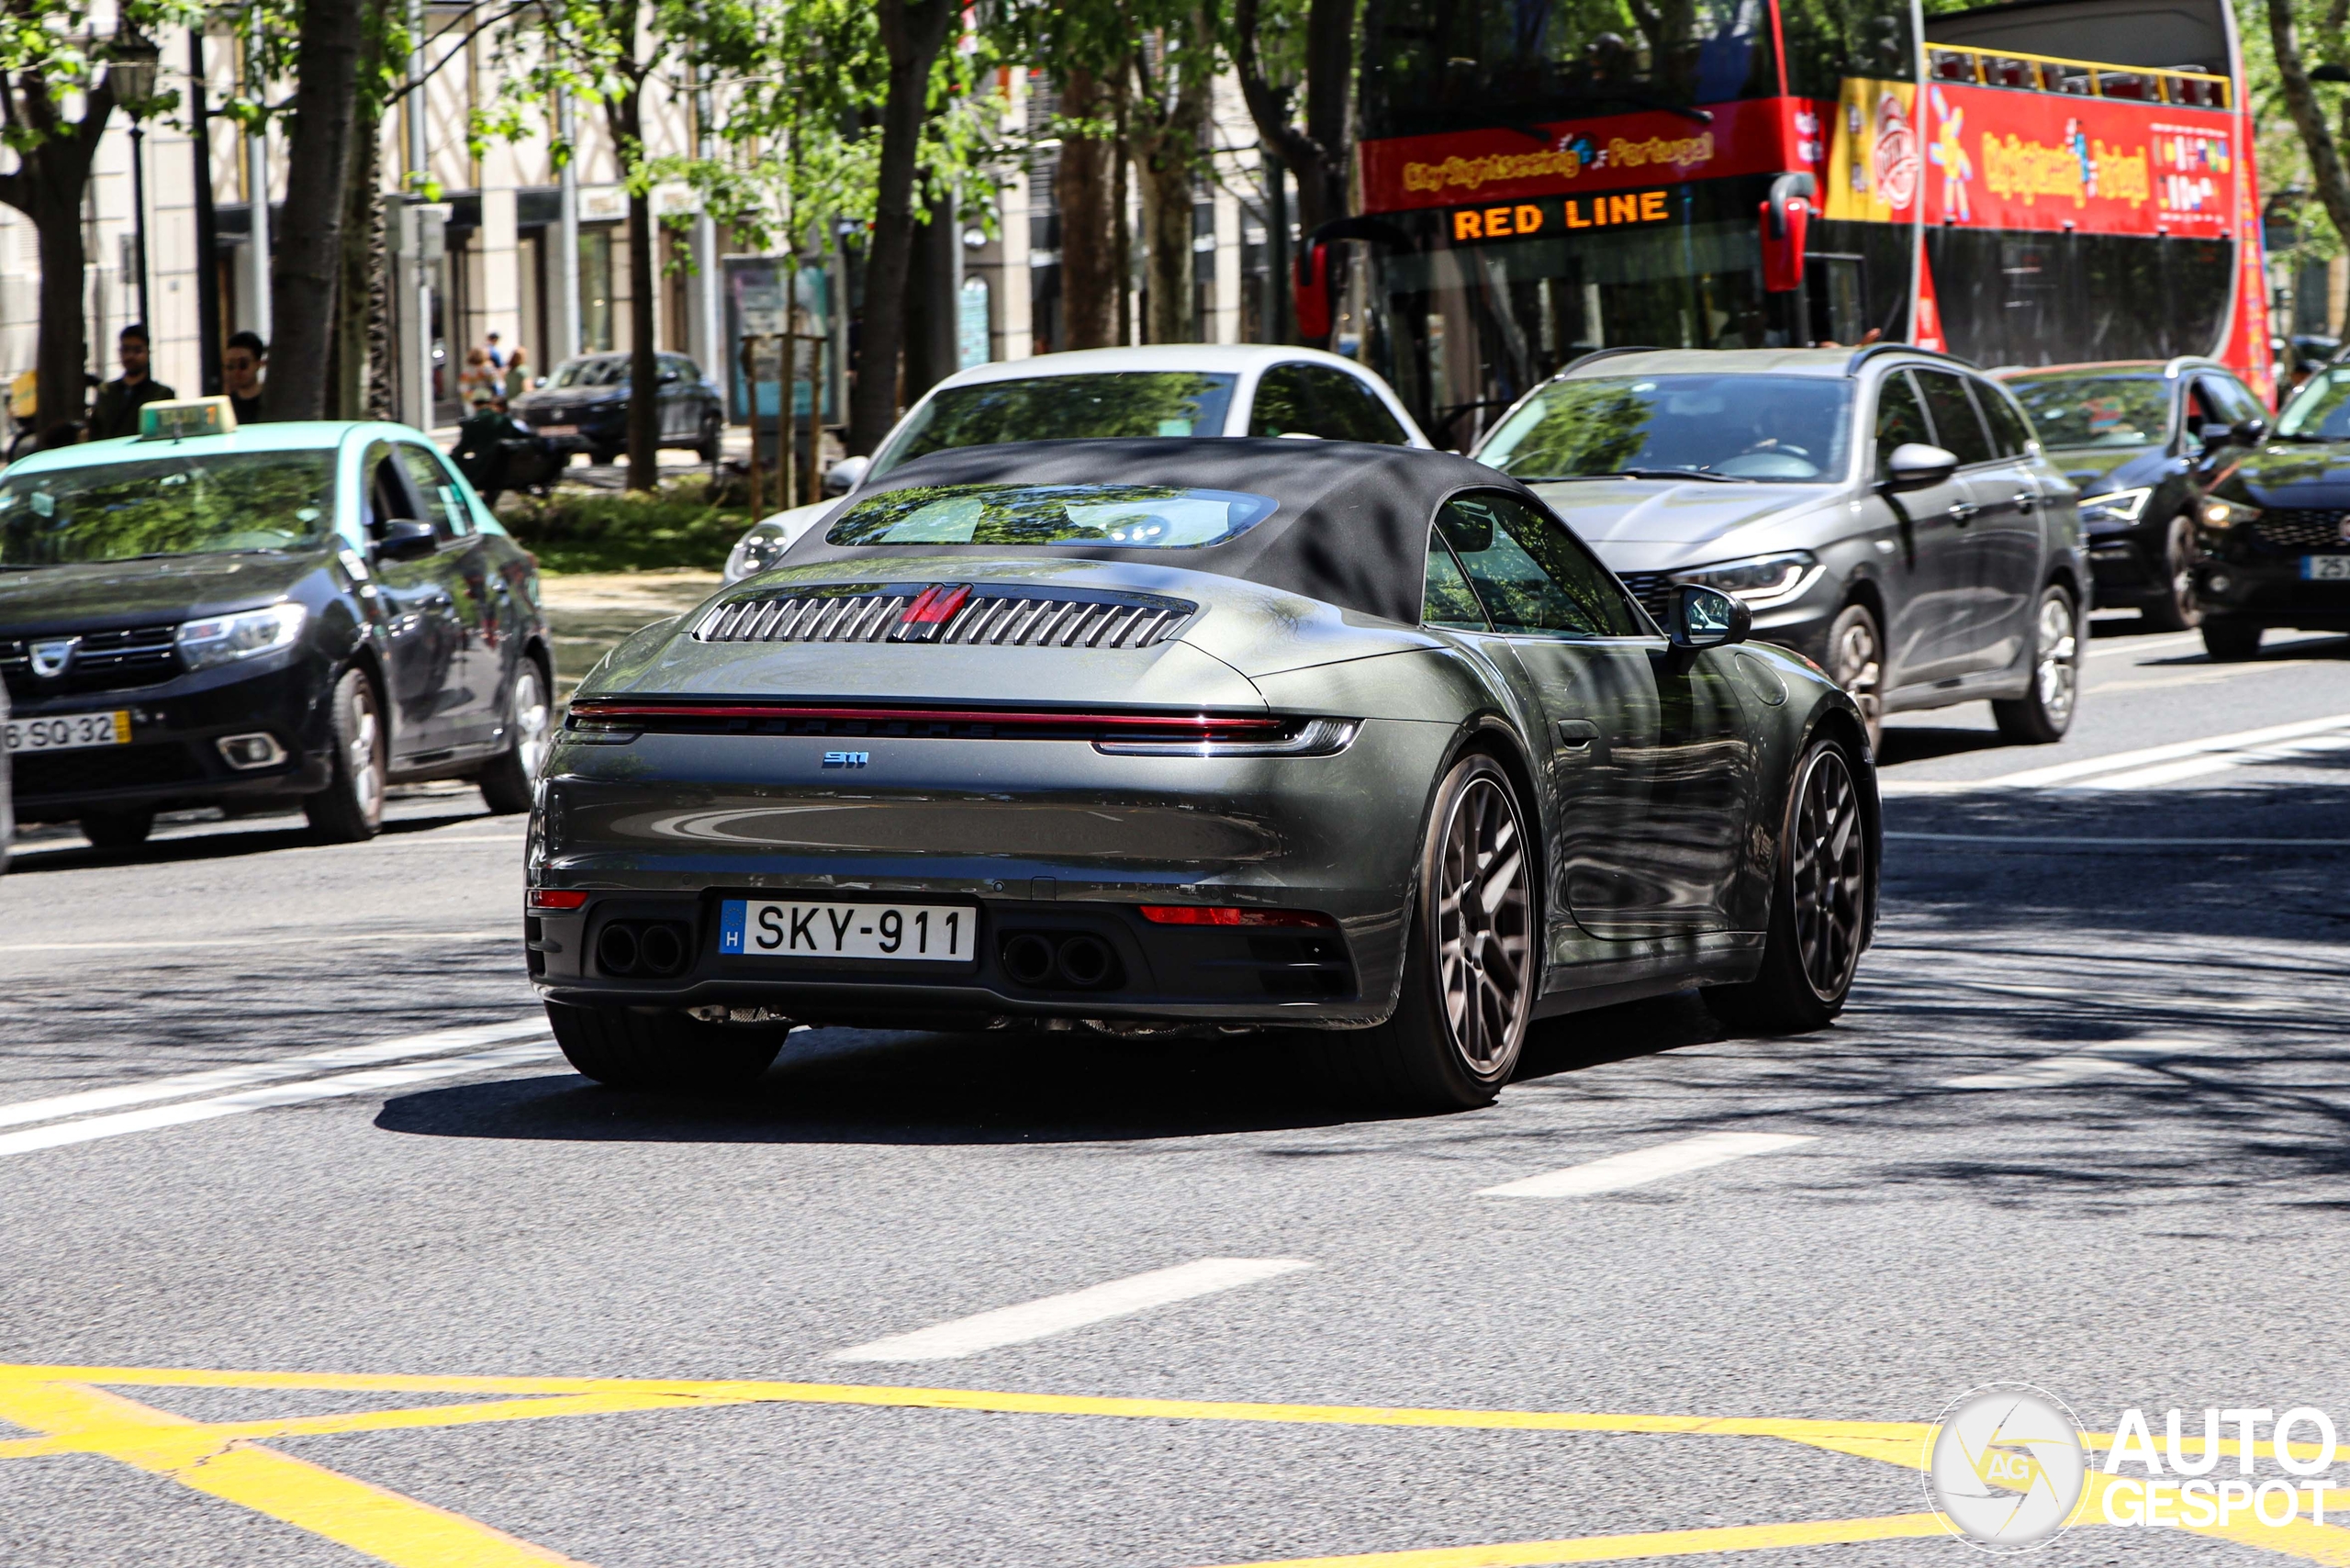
(1886, 512)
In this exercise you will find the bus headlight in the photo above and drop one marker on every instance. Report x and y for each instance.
(1761, 581)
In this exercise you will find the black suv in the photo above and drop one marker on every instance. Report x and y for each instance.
(584, 407)
(302, 610)
(2144, 441)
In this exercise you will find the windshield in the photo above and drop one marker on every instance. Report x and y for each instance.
(1730, 427)
(167, 506)
(605, 372)
(1059, 407)
(1123, 516)
(2095, 410)
(2319, 410)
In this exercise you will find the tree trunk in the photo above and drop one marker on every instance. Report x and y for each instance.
(356, 296)
(2326, 173)
(933, 340)
(49, 186)
(913, 31)
(1320, 154)
(623, 114)
(1165, 175)
(1082, 183)
(308, 255)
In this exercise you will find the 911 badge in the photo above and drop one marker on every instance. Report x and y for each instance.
(847, 758)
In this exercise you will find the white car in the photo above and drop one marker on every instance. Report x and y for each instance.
(1172, 389)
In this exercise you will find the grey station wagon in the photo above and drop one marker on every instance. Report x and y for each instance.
(1886, 512)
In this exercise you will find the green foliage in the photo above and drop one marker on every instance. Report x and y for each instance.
(50, 56)
(634, 531)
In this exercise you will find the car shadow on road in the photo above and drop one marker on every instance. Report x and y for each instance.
(869, 1086)
(225, 844)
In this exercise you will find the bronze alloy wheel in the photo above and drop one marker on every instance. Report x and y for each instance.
(1829, 869)
(1484, 928)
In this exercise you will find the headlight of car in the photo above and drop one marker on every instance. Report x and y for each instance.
(2116, 506)
(2217, 513)
(225, 639)
(757, 550)
(1761, 580)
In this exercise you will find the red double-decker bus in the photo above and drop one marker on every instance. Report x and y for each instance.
(2056, 180)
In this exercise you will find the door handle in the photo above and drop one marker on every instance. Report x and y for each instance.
(2026, 502)
(1963, 511)
(1577, 735)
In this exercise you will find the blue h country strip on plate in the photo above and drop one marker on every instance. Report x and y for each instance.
(730, 925)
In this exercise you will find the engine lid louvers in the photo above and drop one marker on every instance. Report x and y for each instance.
(972, 615)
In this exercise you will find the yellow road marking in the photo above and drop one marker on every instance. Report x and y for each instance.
(69, 1412)
(384, 1525)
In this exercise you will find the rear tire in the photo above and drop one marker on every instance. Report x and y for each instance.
(2231, 641)
(118, 830)
(509, 778)
(1856, 662)
(2043, 714)
(1819, 894)
(351, 807)
(663, 1052)
(2175, 608)
(1471, 960)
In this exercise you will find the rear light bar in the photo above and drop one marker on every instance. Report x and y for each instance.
(1225, 914)
(555, 899)
(793, 718)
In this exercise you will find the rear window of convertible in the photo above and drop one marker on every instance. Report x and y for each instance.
(1119, 517)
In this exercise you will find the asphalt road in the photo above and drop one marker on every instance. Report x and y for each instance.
(357, 1296)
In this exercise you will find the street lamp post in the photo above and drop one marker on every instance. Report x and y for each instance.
(130, 72)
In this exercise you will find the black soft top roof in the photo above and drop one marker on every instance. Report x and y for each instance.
(1351, 528)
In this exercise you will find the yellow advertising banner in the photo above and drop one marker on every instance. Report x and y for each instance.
(1875, 160)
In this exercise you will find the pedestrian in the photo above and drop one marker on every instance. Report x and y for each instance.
(497, 355)
(119, 401)
(241, 364)
(518, 377)
(478, 384)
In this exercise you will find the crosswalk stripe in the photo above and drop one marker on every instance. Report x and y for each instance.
(438, 1042)
(371, 1080)
(1641, 1166)
(1076, 1309)
(2242, 747)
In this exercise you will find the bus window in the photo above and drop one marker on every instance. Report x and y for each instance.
(1900, 420)
(1957, 427)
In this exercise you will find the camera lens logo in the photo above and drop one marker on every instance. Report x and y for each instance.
(2007, 1467)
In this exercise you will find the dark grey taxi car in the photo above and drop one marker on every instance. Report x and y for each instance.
(304, 611)
(1886, 512)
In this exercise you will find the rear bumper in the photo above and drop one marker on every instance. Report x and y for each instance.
(1032, 835)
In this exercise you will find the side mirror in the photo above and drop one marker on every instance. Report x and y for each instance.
(2216, 434)
(1707, 618)
(404, 538)
(843, 477)
(2250, 433)
(1914, 465)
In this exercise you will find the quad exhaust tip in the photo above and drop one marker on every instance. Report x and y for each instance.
(1046, 961)
(654, 950)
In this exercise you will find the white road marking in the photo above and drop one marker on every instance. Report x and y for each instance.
(313, 938)
(2109, 1059)
(2146, 644)
(2195, 766)
(439, 1042)
(1077, 1309)
(1641, 1166)
(2240, 745)
(2106, 840)
(370, 1081)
